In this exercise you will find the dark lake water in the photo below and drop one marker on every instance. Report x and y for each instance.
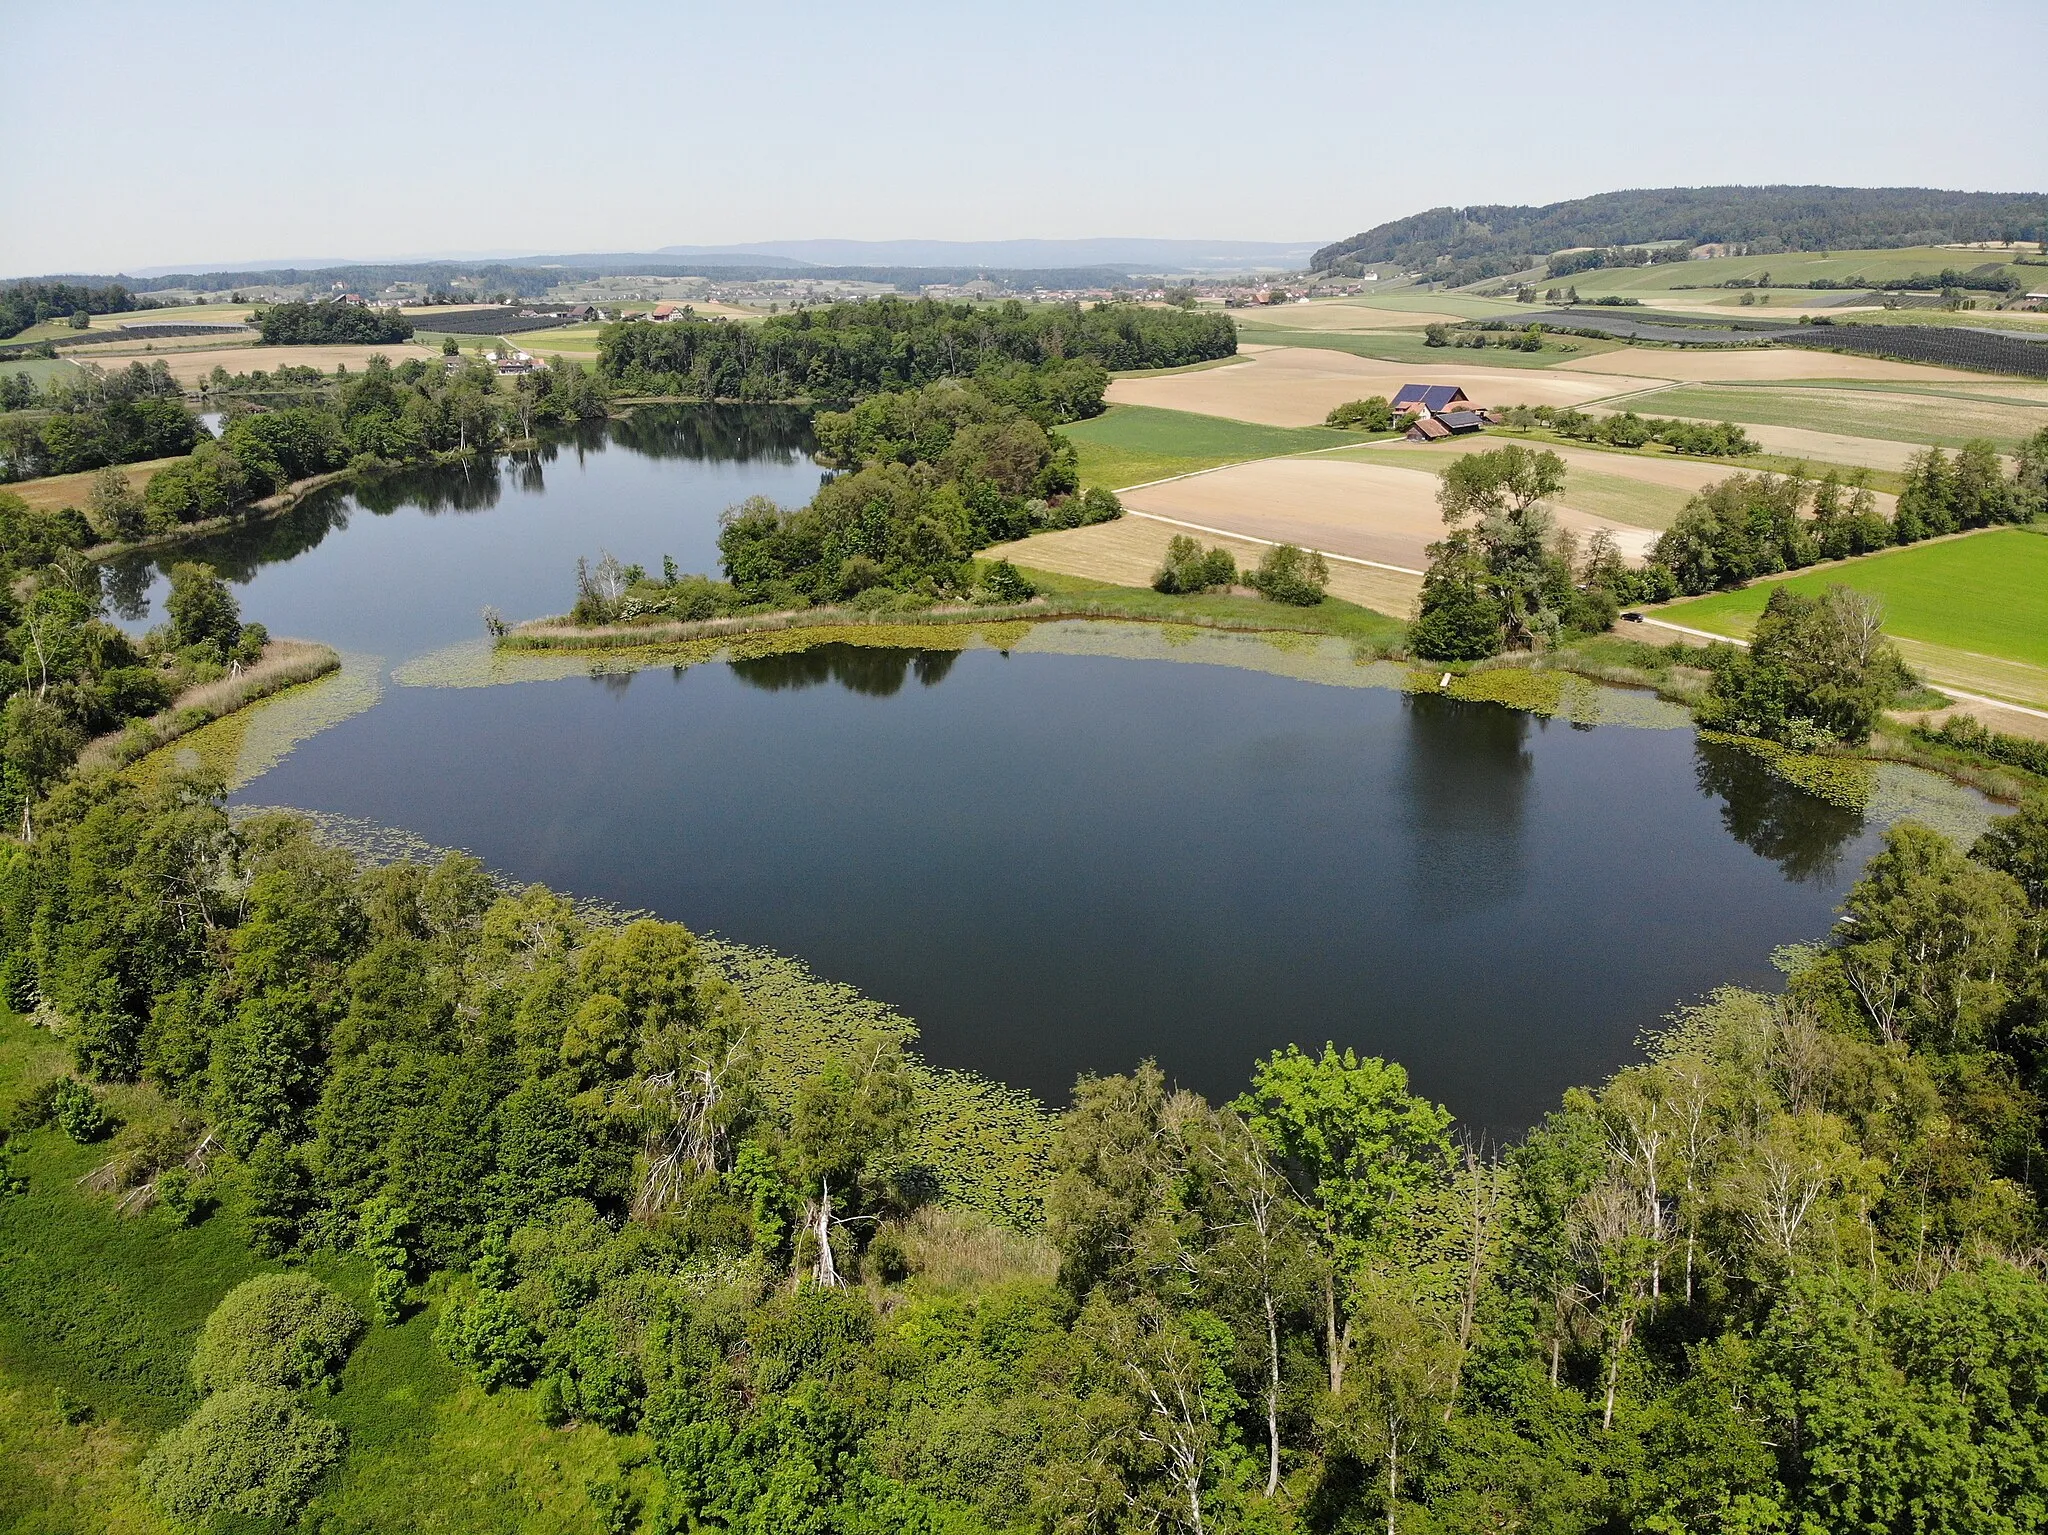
(1054, 863)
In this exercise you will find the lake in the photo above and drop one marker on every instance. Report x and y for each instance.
(1055, 863)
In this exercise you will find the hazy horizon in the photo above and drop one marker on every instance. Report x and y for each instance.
(233, 130)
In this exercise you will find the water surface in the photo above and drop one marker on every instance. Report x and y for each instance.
(1054, 863)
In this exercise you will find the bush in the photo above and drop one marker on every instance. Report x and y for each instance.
(78, 1112)
(1188, 569)
(1005, 583)
(249, 1452)
(1291, 575)
(1373, 415)
(276, 1330)
(492, 1338)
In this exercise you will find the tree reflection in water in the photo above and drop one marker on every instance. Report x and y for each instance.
(857, 668)
(1801, 833)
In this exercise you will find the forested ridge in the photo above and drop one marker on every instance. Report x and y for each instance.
(846, 351)
(1782, 1274)
(1479, 242)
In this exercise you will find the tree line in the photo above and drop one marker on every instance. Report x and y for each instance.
(926, 476)
(23, 304)
(1505, 577)
(1778, 1275)
(67, 675)
(102, 418)
(331, 322)
(847, 351)
(1626, 429)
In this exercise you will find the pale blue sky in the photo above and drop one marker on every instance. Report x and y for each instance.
(219, 130)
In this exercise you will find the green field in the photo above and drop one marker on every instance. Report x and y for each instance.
(1987, 594)
(1332, 615)
(1409, 346)
(1802, 266)
(1946, 420)
(42, 369)
(1135, 444)
(1634, 502)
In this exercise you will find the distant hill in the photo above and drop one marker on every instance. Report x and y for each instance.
(1469, 244)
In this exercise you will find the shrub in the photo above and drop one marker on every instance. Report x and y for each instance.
(492, 1338)
(276, 1330)
(249, 1452)
(78, 1112)
(1190, 569)
(1373, 415)
(1005, 583)
(1288, 574)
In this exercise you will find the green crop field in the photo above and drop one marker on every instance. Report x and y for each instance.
(1135, 444)
(1987, 594)
(1947, 420)
(44, 370)
(1409, 346)
(1795, 267)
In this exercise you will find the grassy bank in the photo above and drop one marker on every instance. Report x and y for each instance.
(1064, 597)
(284, 664)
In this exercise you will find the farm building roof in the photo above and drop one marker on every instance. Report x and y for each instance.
(1428, 429)
(1462, 420)
(1430, 397)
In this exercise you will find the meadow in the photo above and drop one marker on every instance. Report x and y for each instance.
(1792, 267)
(1409, 346)
(1986, 593)
(1136, 444)
(1946, 421)
(57, 491)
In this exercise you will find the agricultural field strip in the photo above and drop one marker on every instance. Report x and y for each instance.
(1885, 417)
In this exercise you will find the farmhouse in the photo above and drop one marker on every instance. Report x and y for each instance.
(663, 313)
(1429, 399)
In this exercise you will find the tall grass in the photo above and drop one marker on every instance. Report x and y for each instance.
(284, 664)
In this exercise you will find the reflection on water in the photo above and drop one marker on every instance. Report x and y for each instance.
(396, 564)
(858, 669)
(1802, 834)
(1059, 863)
(1057, 859)
(1467, 772)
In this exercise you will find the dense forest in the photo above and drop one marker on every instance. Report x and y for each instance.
(1468, 244)
(845, 351)
(1781, 1275)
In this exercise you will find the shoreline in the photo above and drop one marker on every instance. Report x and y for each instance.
(285, 664)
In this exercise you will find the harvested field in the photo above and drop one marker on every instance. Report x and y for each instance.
(1130, 550)
(1946, 421)
(1761, 364)
(1409, 347)
(1643, 489)
(1298, 386)
(61, 490)
(190, 367)
(1369, 511)
(1351, 316)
